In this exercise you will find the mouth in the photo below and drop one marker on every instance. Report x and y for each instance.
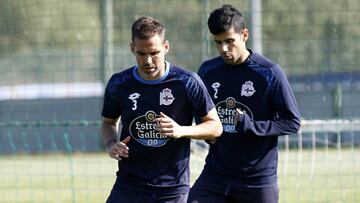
(149, 69)
(226, 56)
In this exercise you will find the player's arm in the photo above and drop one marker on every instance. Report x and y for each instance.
(286, 120)
(290, 124)
(210, 127)
(109, 132)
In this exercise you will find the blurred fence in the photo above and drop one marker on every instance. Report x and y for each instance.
(55, 57)
(56, 41)
(49, 49)
(320, 164)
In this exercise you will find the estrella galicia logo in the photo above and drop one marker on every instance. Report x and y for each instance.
(142, 129)
(227, 111)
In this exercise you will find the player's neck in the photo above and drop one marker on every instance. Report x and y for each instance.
(243, 57)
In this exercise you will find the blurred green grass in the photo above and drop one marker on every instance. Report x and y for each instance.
(304, 176)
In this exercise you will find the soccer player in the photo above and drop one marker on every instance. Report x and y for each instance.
(255, 105)
(156, 102)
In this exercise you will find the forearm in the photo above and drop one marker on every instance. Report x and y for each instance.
(210, 127)
(109, 132)
(205, 130)
(277, 127)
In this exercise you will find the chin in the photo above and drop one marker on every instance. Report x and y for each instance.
(229, 61)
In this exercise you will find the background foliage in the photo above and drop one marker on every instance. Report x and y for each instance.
(44, 41)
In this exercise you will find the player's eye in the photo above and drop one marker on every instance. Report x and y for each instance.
(155, 53)
(229, 41)
(140, 53)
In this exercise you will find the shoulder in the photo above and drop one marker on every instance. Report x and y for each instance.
(209, 65)
(267, 66)
(118, 79)
(188, 78)
(262, 61)
(180, 73)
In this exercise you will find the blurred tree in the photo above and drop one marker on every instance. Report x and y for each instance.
(333, 46)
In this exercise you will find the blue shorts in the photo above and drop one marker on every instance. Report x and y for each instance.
(200, 193)
(127, 196)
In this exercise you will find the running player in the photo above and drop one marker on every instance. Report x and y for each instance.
(255, 105)
(155, 101)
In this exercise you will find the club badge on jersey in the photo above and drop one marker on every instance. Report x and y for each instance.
(166, 98)
(247, 89)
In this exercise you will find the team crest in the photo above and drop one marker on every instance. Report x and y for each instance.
(247, 89)
(215, 86)
(166, 98)
(133, 97)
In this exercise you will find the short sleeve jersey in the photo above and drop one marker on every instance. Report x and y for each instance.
(156, 164)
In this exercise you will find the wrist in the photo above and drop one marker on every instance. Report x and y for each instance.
(240, 123)
(109, 144)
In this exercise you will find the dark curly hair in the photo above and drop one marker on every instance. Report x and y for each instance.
(223, 18)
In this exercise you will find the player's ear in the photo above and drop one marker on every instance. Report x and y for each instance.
(245, 34)
(132, 48)
(167, 46)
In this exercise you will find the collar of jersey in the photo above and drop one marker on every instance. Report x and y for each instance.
(140, 79)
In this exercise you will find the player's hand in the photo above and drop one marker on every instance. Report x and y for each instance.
(237, 116)
(119, 150)
(168, 127)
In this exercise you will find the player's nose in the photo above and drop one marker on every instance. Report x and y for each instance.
(224, 47)
(148, 59)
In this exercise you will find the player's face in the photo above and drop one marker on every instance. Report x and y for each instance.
(150, 56)
(231, 45)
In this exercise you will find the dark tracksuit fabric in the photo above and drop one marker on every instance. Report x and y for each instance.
(245, 156)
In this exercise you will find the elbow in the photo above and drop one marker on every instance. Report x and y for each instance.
(296, 125)
(215, 130)
(218, 129)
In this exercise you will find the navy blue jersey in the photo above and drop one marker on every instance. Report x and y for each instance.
(156, 164)
(246, 154)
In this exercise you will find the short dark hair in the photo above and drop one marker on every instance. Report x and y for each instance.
(147, 27)
(223, 18)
